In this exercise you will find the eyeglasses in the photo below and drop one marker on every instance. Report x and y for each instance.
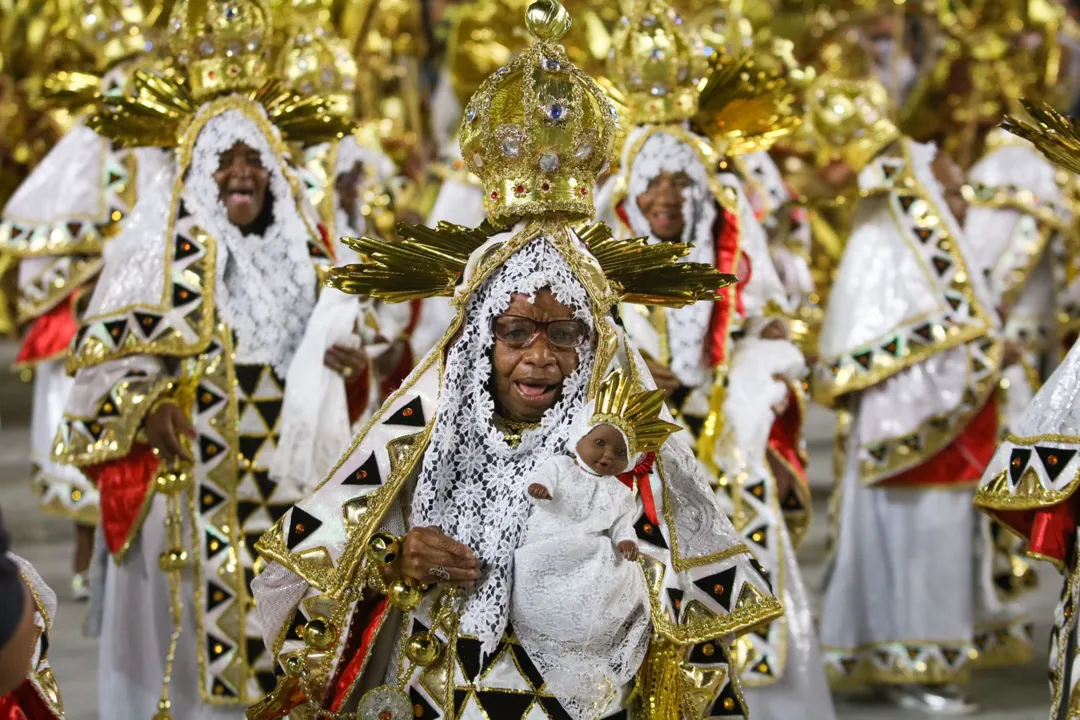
(519, 332)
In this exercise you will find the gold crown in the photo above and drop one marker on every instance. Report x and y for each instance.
(110, 31)
(483, 36)
(314, 59)
(848, 120)
(636, 414)
(656, 65)
(224, 44)
(539, 131)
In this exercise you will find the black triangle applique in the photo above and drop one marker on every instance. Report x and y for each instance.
(277, 511)
(528, 668)
(554, 709)
(412, 415)
(1018, 461)
(1054, 459)
(220, 689)
(80, 334)
(267, 681)
(255, 648)
(889, 171)
(792, 501)
(727, 704)
(263, 482)
(864, 359)
(209, 499)
(509, 705)
(941, 264)
(926, 332)
(459, 700)
(146, 323)
(913, 442)
(761, 571)
(249, 446)
(978, 363)
(182, 296)
(249, 575)
(366, 474)
(248, 377)
(115, 329)
(675, 596)
(206, 398)
(270, 410)
(301, 525)
(418, 627)
(214, 544)
(763, 667)
(649, 532)
(954, 302)
(706, 653)
(761, 537)
(185, 248)
(317, 251)
(244, 508)
(249, 542)
(74, 228)
(16, 231)
(892, 347)
(422, 709)
(879, 452)
(924, 234)
(107, 408)
(468, 652)
(906, 201)
(209, 449)
(757, 490)
(296, 627)
(216, 595)
(489, 660)
(719, 586)
(621, 715)
(114, 177)
(182, 211)
(848, 664)
(914, 652)
(882, 656)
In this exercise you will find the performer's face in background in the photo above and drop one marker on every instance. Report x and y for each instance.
(604, 450)
(348, 189)
(662, 205)
(243, 182)
(528, 380)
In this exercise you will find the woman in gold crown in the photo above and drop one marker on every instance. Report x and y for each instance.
(668, 191)
(910, 356)
(388, 590)
(182, 365)
(58, 238)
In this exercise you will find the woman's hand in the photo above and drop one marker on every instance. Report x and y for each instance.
(346, 361)
(539, 492)
(663, 377)
(629, 550)
(164, 428)
(388, 361)
(424, 549)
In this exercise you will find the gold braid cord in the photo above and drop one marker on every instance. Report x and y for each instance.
(161, 105)
(1057, 136)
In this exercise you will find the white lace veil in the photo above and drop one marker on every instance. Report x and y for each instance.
(265, 288)
(687, 326)
(471, 483)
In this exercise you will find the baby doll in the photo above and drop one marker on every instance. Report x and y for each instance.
(580, 606)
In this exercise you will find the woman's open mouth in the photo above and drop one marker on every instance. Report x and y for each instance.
(536, 393)
(241, 197)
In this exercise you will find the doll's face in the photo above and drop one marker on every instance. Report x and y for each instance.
(604, 450)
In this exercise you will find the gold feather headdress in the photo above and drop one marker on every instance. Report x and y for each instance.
(636, 414)
(220, 49)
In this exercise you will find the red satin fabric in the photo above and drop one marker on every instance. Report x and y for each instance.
(324, 233)
(962, 461)
(638, 474)
(357, 392)
(23, 703)
(784, 436)
(1050, 531)
(50, 334)
(729, 259)
(123, 484)
(357, 655)
(393, 381)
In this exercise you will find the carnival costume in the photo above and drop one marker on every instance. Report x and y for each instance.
(57, 223)
(726, 371)
(192, 312)
(910, 356)
(1030, 481)
(439, 441)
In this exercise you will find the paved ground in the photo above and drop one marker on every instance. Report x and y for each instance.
(1017, 694)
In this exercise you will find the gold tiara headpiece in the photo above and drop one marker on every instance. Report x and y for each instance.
(637, 414)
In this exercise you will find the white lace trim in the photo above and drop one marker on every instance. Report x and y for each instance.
(265, 286)
(472, 483)
(688, 326)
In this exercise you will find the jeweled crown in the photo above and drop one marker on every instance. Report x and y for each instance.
(539, 131)
(314, 59)
(848, 120)
(110, 31)
(224, 44)
(656, 64)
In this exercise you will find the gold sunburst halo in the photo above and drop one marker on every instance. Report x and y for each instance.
(1056, 135)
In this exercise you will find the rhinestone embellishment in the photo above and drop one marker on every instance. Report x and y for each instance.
(549, 162)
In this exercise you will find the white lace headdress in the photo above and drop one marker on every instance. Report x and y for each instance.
(471, 482)
(687, 326)
(266, 285)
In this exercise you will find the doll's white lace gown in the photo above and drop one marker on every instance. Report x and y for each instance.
(579, 608)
